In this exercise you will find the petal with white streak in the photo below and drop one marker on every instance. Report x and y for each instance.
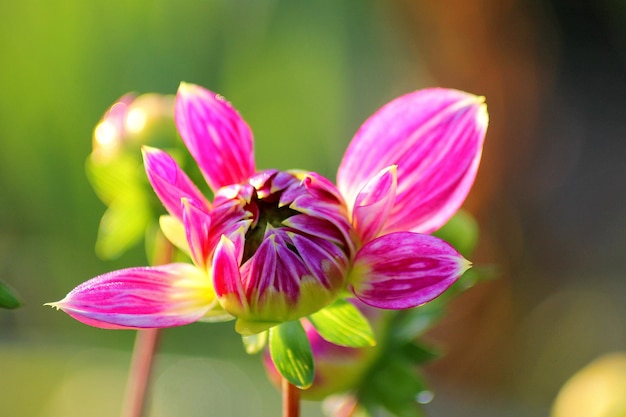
(373, 204)
(435, 137)
(197, 226)
(169, 182)
(216, 135)
(227, 278)
(404, 270)
(143, 297)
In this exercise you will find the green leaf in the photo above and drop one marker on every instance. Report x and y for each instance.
(112, 177)
(291, 353)
(8, 298)
(255, 342)
(248, 328)
(396, 386)
(343, 324)
(420, 353)
(123, 224)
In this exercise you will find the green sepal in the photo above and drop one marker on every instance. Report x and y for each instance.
(291, 353)
(341, 323)
(254, 343)
(248, 328)
(7, 297)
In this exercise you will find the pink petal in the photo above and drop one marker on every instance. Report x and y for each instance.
(435, 137)
(145, 297)
(325, 261)
(316, 227)
(404, 270)
(289, 273)
(197, 226)
(227, 278)
(215, 134)
(259, 273)
(169, 182)
(373, 204)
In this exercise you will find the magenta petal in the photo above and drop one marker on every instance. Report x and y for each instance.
(197, 226)
(169, 182)
(260, 272)
(404, 270)
(316, 227)
(227, 278)
(289, 272)
(373, 204)
(435, 137)
(215, 134)
(324, 260)
(145, 297)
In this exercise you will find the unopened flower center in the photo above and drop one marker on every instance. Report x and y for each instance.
(297, 244)
(268, 213)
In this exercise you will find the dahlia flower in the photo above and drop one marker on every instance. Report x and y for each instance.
(272, 246)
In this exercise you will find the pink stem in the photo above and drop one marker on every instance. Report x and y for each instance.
(140, 371)
(145, 348)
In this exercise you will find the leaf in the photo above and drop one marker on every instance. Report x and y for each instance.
(123, 224)
(291, 353)
(7, 298)
(112, 177)
(397, 385)
(420, 353)
(341, 323)
(254, 343)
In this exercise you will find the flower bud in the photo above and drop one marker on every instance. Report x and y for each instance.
(290, 258)
(133, 121)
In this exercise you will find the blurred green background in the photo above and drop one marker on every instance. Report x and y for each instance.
(550, 196)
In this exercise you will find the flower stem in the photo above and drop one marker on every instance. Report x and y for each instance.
(140, 370)
(146, 342)
(291, 399)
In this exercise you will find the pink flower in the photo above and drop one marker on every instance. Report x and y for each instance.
(274, 246)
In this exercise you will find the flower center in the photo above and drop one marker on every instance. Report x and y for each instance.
(269, 214)
(297, 243)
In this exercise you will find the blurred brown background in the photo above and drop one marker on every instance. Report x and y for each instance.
(551, 196)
